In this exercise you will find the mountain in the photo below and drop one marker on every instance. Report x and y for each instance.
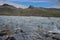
(7, 9)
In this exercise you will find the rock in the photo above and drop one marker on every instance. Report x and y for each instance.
(53, 35)
(10, 38)
(55, 38)
(22, 31)
(2, 34)
(0, 38)
(5, 5)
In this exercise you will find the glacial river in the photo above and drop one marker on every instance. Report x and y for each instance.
(29, 23)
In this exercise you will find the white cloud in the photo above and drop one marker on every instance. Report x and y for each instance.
(18, 5)
(31, 0)
(23, 6)
(34, 0)
(55, 6)
(14, 4)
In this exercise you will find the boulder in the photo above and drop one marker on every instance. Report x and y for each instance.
(11, 38)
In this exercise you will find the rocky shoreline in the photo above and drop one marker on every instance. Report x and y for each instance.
(32, 36)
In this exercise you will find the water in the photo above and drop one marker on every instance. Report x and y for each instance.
(29, 24)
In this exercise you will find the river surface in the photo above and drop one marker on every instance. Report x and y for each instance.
(29, 23)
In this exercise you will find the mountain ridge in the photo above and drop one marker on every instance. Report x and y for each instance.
(10, 10)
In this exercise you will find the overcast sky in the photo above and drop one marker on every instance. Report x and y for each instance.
(36, 3)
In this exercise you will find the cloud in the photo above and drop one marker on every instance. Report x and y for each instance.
(35, 0)
(14, 4)
(31, 0)
(57, 2)
(56, 6)
(18, 5)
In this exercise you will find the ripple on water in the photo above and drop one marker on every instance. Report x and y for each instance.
(29, 24)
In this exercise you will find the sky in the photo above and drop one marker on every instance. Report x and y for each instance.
(35, 3)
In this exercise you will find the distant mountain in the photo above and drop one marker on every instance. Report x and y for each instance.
(7, 9)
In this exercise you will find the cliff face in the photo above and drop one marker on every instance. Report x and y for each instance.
(6, 9)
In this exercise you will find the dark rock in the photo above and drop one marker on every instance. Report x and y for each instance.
(21, 31)
(54, 33)
(0, 38)
(46, 35)
(10, 38)
(55, 38)
(31, 7)
(5, 5)
(2, 34)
